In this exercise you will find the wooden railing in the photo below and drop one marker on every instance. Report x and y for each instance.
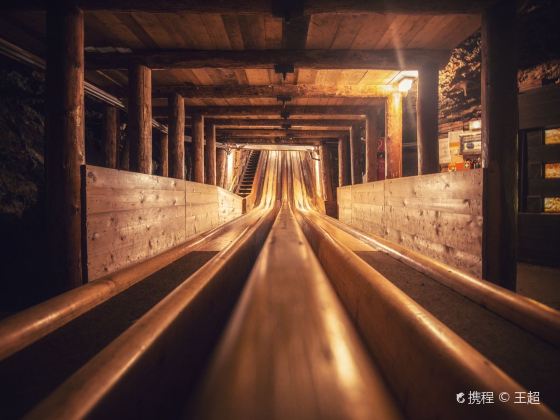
(439, 215)
(131, 216)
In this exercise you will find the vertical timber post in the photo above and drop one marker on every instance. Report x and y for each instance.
(327, 187)
(371, 147)
(164, 153)
(221, 156)
(210, 154)
(176, 129)
(140, 118)
(64, 148)
(343, 162)
(355, 167)
(427, 119)
(499, 144)
(198, 147)
(393, 138)
(125, 153)
(110, 135)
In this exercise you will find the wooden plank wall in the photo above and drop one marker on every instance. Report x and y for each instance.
(132, 216)
(439, 215)
(539, 108)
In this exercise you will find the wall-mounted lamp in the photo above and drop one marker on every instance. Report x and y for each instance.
(475, 125)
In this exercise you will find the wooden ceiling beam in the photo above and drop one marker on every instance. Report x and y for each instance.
(397, 6)
(294, 141)
(299, 123)
(272, 127)
(317, 111)
(405, 59)
(265, 6)
(274, 133)
(273, 91)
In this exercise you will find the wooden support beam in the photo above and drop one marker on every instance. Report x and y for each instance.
(124, 158)
(427, 119)
(273, 91)
(499, 144)
(176, 127)
(198, 148)
(140, 118)
(265, 7)
(65, 149)
(210, 153)
(326, 173)
(388, 59)
(164, 153)
(393, 136)
(344, 162)
(371, 148)
(295, 29)
(280, 133)
(111, 133)
(272, 141)
(317, 111)
(221, 156)
(273, 123)
(355, 152)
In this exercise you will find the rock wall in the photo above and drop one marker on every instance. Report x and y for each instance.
(538, 57)
(22, 125)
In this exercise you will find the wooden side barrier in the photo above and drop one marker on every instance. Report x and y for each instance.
(131, 216)
(439, 215)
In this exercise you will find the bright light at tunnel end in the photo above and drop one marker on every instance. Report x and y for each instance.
(404, 80)
(405, 85)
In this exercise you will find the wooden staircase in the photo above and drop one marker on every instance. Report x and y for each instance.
(246, 184)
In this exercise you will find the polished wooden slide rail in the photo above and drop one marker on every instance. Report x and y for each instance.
(28, 326)
(289, 347)
(535, 317)
(150, 368)
(290, 350)
(415, 351)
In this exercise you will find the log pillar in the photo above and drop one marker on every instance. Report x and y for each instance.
(176, 128)
(393, 135)
(221, 156)
(427, 119)
(343, 162)
(499, 144)
(164, 153)
(355, 149)
(326, 173)
(64, 146)
(140, 118)
(110, 135)
(210, 154)
(371, 147)
(198, 147)
(125, 153)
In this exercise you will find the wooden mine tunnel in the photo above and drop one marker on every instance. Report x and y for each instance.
(249, 246)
